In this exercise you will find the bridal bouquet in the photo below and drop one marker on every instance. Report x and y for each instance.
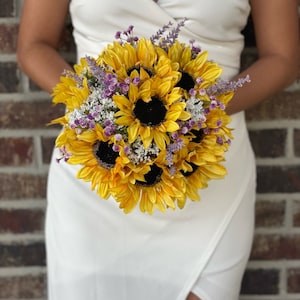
(146, 120)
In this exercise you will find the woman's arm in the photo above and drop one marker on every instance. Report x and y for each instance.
(41, 26)
(277, 39)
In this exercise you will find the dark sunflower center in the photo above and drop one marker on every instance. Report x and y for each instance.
(199, 134)
(194, 168)
(105, 155)
(186, 81)
(152, 177)
(150, 114)
(138, 68)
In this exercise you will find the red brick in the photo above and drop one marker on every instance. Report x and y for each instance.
(9, 79)
(266, 247)
(284, 105)
(260, 282)
(268, 142)
(16, 151)
(22, 186)
(8, 37)
(297, 142)
(293, 281)
(17, 255)
(23, 287)
(275, 246)
(296, 213)
(21, 221)
(278, 179)
(270, 213)
(28, 114)
(7, 8)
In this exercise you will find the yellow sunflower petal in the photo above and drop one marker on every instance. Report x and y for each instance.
(133, 130)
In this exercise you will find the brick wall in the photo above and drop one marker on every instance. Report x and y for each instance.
(25, 148)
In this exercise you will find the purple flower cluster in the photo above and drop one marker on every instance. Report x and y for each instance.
(109, 128)
(65, 155)
(172, 148)
(113, 86)
(107, 82)
(126, 36)
(195, 49)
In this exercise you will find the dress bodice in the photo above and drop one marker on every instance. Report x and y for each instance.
(215, 24)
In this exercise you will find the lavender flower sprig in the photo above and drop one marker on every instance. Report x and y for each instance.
(224, 86)
(157, 36)
(172, 36)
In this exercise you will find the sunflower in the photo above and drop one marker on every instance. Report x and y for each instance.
(150, 112)
(196, 71)
(72, 90)
(197, 168)
(123, 59)
(158, 190)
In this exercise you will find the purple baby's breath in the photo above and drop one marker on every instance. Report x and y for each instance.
(78, 131)
(107, 123)
(65, 155)
(118, 35)
(109, 130)
(206, 130)
(126, 150)
(118, 137)
(124, 87)
(195, 49)
(213, 104)
(199, 80)
(91, 124)
(184, 130)
(220, 140)
(174, 135)
(191, 123)
(126, 36)
(136, 80)
(221, 105)
(202, 92)
(192, 92)
(116, 148)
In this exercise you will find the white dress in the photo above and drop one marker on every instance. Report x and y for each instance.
(94, 250)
